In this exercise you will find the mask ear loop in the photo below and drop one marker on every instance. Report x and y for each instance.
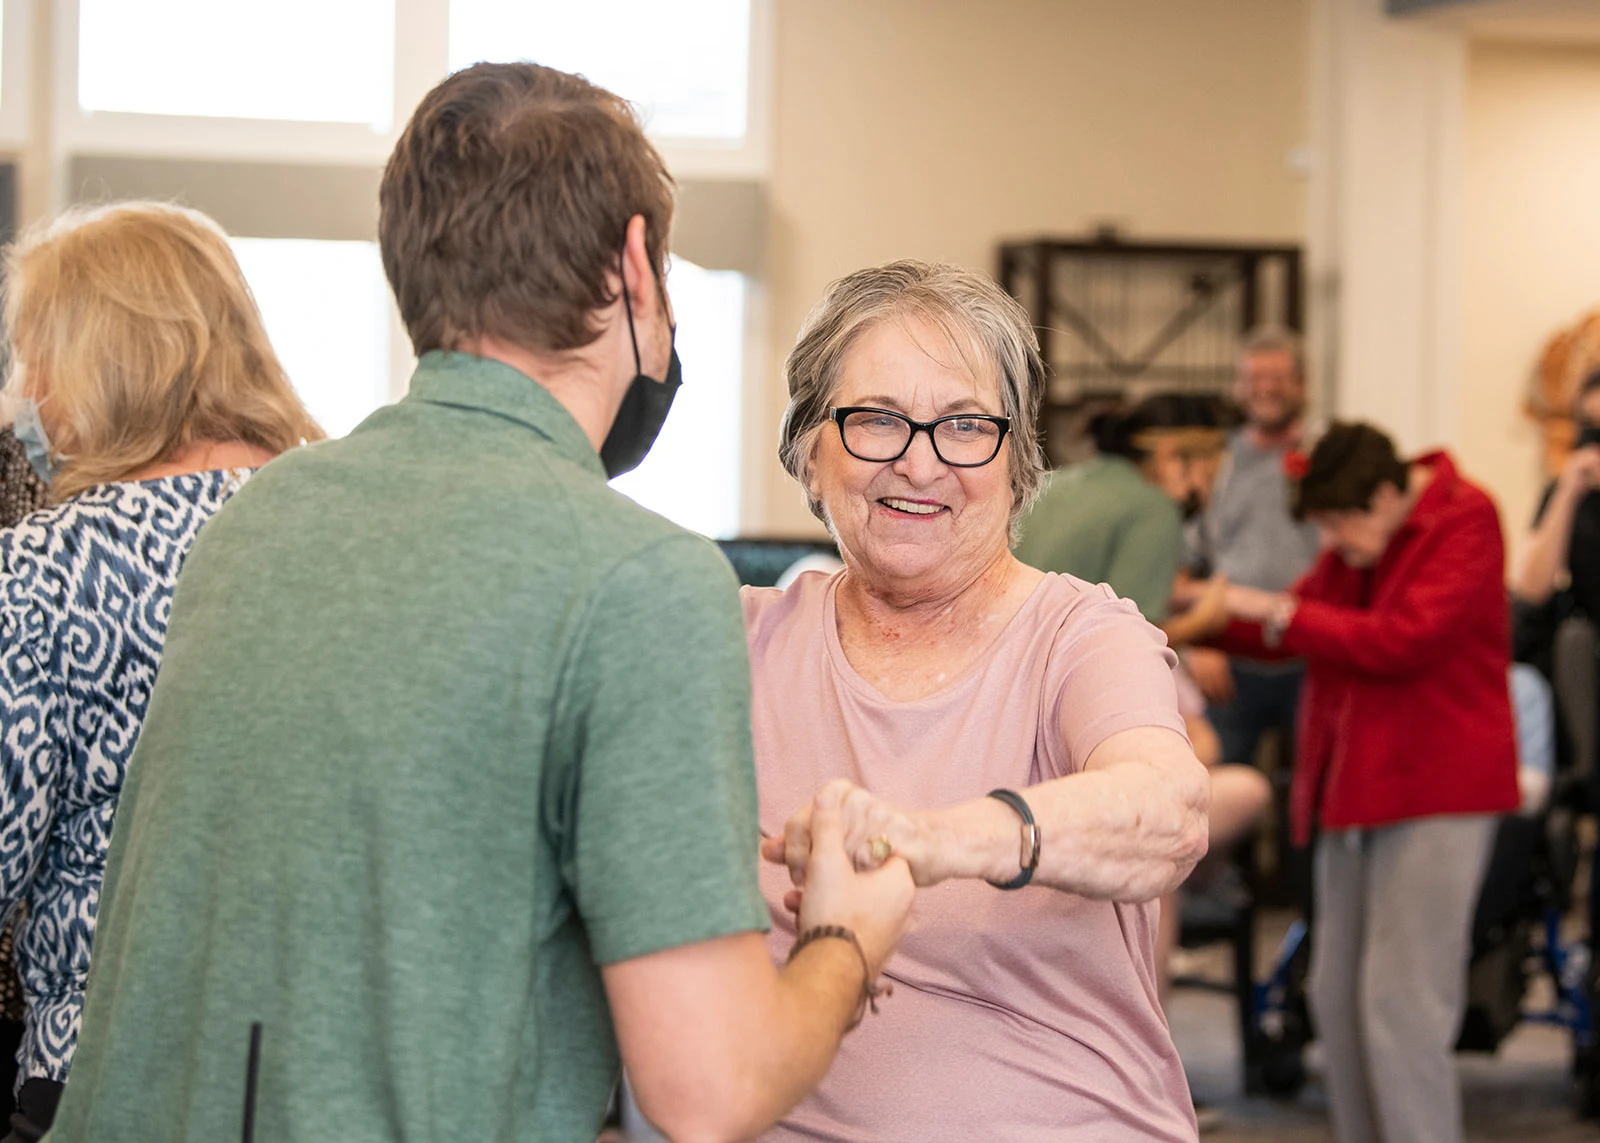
(638, 364)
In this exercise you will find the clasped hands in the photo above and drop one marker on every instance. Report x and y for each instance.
(873, 831)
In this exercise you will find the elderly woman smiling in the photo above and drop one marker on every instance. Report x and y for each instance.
(1000, 728)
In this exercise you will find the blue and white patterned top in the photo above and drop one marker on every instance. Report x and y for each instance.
(85, 594)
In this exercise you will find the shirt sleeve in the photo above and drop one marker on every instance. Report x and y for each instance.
(663, 819)
(1113, 672)
(32, 746)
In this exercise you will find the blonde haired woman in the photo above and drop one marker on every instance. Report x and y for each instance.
(145, 391)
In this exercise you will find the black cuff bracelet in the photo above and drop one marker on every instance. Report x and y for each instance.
(1031, 839)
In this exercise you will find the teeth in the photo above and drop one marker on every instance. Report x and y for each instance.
(913, 507)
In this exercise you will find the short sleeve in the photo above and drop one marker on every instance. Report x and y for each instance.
(1110, 671)
(664, 829)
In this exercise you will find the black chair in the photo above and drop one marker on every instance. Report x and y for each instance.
(760, 562)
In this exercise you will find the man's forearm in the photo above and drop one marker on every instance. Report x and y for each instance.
(819, 993)
(719, 1044)
(786, 1054)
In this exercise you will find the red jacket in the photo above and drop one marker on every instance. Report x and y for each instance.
(1406, 711)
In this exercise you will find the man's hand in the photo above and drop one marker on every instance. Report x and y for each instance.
(818, 845)
(873, 832)
(1211, 673)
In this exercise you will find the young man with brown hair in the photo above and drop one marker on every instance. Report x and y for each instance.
(447, 787)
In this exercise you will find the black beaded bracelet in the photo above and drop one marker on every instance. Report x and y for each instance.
(1032, 839)
(870, 990)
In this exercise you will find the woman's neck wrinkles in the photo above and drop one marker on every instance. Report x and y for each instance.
(922, 613)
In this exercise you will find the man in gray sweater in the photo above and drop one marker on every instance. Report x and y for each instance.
(1248, 535)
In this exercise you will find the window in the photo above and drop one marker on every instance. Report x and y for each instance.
(685, 65)
(692, 474)
(326, 309)
(244, 107)
(306, 60)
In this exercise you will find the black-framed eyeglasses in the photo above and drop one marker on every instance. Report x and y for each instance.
(964, 440)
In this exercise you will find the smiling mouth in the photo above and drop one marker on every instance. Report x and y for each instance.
(912, 507)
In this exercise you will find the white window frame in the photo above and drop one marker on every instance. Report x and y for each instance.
(421, 60)
(421, 54)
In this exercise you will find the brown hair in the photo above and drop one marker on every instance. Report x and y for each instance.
(144, 338)
(505, 205)
(1349, 464)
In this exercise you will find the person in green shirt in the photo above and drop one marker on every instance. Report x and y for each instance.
(1118, 518)
(445, 804)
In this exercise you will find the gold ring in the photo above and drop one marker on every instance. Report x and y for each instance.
(881, 849)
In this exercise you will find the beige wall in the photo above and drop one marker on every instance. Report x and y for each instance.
(1531, 250)
(935, 128)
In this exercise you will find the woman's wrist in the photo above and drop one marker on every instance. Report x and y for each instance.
(976, 840)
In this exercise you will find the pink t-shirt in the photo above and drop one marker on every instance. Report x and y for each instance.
(1021, 1016)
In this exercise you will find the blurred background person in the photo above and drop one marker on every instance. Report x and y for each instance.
(1406, 758)
(1555, 590)
(1247, 535)
(145, 392)
(1558, 570)
(1118, 517)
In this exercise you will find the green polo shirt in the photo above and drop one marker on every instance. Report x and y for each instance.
(444, 723)
(1103, 522)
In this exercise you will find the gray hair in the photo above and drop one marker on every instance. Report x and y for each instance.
(986, 325)
(1275, 339)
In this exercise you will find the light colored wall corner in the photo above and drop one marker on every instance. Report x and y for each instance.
(937, 128)
(1529, 257)
(1386, 229)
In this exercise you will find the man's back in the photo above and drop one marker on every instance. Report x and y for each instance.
(443, 723)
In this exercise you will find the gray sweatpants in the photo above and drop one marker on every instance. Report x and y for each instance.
(1389, 954)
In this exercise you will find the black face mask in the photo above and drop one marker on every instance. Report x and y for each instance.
(1588, 435)
(644, 408)
(1191, 506)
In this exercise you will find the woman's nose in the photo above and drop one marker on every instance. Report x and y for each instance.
(920, 462)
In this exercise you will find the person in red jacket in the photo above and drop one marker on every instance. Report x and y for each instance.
(1405, 757)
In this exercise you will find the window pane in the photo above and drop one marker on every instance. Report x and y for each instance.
(324, 60)
(684, 64)
(692, 474)
(326, 309)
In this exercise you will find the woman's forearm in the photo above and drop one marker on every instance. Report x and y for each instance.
(1534, 578)
(1127, 832)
